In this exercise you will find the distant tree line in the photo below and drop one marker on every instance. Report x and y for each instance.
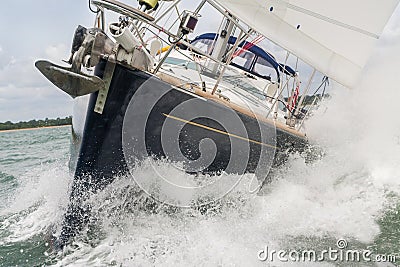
(8, 125)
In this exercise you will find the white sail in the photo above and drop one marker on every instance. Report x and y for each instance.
(335, 37)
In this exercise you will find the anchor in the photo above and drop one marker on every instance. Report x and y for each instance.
(88, 47)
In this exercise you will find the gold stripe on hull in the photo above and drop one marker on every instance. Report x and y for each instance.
(218, 131)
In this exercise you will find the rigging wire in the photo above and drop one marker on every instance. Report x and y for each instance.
(176, 41)
(91, 9)
(325, 85)
(324, 82)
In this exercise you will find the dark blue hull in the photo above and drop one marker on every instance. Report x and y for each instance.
(99, 154)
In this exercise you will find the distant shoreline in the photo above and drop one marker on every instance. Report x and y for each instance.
(34, 124)
(34, 128)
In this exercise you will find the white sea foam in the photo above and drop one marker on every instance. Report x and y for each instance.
(341, 195)
(38, 204)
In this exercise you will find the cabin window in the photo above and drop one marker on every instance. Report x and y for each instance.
(263, 68)
(237, 80)
(204, 45)
(181, 62)
(244, 60)
(175, 61)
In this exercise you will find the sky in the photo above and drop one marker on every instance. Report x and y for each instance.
(32, 30)
(43, 29)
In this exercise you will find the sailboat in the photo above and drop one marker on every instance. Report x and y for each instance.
(213, 104)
